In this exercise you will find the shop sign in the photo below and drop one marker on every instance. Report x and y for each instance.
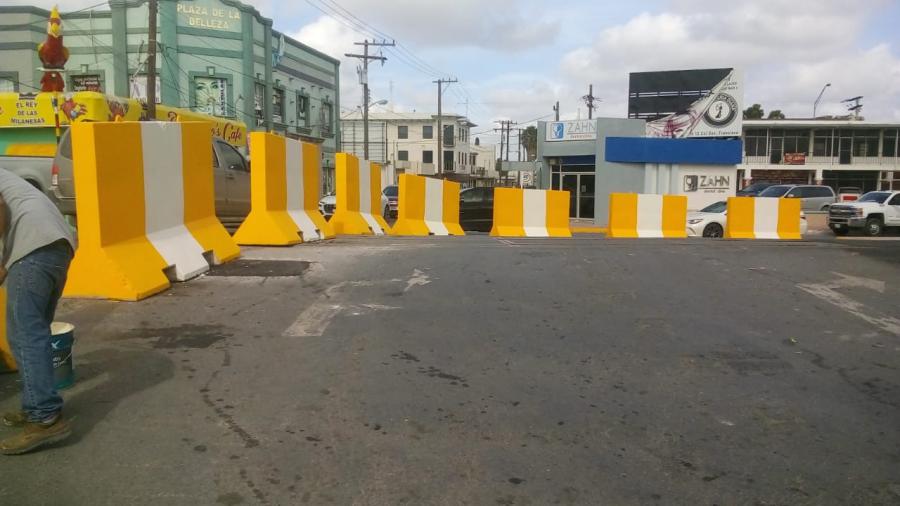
(794, 158)
(707, 183)
(209, 15)
(87, 83)
(579, 130)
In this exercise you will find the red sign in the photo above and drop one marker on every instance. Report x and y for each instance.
(795, 158)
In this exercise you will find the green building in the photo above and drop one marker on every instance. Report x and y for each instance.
(219, 57)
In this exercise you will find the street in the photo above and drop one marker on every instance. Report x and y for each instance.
(483, 371)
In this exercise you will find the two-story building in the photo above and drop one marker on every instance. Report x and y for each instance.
(835, 153)
(407, 143)
(219, 57)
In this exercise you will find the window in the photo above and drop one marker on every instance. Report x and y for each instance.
(796, 141)
(211, 95)
(231, 159)
(327, 112)
(895, 201)
(448, 136)
(427, 156)
(889, 146)
(87, 82)
(259, 94)
(797, 192)
(820, 191)
(428, 132)
(7, 84)
(823, 143)
(302, 110)
(865, 142)
(472, 195)
(278, 105)
(755, 143)
(403, 156)
(403, 132)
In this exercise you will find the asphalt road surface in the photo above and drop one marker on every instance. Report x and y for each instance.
(384, 371)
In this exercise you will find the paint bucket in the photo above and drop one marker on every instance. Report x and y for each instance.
(63, 337)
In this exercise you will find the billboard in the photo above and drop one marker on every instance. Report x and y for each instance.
(688, 103)
(579, 130)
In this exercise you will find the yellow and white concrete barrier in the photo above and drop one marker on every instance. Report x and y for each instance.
(633, 215)
(427, 206)
(531, 213)
(146, 208)
(763, 218)
(284, 193)
(358, 197)
(7, 362)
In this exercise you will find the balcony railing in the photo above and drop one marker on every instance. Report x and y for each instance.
(825, 160)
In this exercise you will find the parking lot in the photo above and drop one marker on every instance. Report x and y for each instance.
(477, 370)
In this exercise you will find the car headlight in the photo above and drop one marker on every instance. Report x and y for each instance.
(695, 221)
(857, 212)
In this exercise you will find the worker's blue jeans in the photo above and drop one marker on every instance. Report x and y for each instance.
(33, 287)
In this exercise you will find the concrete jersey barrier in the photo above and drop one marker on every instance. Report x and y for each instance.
(358, 197)
(284, 193)
(146, 208)
(427, 206)
(530, 213)
(763, 218)
(633, 215)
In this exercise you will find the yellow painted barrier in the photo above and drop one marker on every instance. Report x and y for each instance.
(284, 191)
(358, 197)
(763, 218)
(531, 213)
(633, 215)
(427, 206)
(146, 208)
(7, 362)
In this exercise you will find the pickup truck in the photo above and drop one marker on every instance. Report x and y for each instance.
(871, 213)
(34, 169)
(231, 175)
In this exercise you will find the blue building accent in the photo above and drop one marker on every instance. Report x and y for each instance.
(691, 151)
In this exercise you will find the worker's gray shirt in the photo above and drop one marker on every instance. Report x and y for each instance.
(34, 222)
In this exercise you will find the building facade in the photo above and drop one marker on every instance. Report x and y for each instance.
(835, 153)
(407, 142)
(219, 57)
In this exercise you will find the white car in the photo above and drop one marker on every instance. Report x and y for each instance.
(328, 202)
(710, 221)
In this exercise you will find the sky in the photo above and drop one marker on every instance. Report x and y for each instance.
(515, 58)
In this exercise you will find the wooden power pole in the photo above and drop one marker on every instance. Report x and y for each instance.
(440, 126)
(364, 80)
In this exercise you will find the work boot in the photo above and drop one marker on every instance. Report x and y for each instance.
(35, 435)
(15, 419)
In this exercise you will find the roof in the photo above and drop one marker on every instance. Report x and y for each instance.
(815, 123)
(406, 116)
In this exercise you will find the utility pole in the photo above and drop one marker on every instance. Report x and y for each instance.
(502, 133)
(364, 81)
(440, 127)
(151, 63)
(589, 99)
(556, 110)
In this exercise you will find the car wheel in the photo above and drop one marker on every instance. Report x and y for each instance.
(874, 227)
(825, 208)
(713, 230)
(840, 231)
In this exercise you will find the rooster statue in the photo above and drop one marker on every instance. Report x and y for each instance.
(53, 54)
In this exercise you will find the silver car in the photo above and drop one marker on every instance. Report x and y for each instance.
(813, 198)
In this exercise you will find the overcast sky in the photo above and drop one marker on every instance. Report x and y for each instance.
(515, 58)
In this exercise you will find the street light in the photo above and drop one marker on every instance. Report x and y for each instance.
(816, 103)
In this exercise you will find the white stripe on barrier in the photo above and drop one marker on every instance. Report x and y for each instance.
(765, 223)
(164, 200)
(293, 158)
(535, 213)
(365, 196)
(434, 206)
(649, 215)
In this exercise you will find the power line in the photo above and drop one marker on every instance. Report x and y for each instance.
(24, 26)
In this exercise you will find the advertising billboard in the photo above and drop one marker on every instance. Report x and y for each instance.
(579, 130)
(688, 103)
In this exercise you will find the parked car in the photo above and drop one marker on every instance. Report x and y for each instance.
(753, 189)
(813, 198)
(328, 202)
(711, 220)
(391, 192)
(872, 213)
(849, 194)
(231, 174)
(476, 209)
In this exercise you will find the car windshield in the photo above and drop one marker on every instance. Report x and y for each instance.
(755, 187)
(390, 191)
(877, 197)
(775, 191)
(718, 207)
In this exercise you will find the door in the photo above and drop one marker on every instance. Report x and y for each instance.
(845, 152)
(570, 184)
(586, 196)
(776, 150)
(237, 179)
(892, 211)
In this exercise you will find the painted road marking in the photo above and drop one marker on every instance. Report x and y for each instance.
(829, 293)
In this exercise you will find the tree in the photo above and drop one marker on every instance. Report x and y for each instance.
(529, 140)
(776, 114)
(755, 111)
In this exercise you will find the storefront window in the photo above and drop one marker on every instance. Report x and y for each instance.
(210, 95)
